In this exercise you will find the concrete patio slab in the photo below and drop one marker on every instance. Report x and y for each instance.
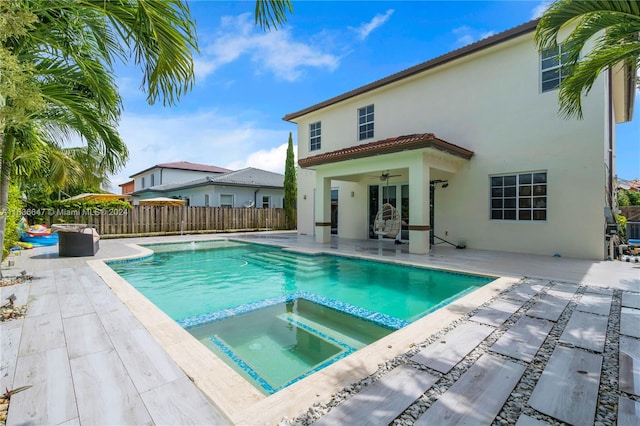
(568, 388)
(476, 398)
(79, 292)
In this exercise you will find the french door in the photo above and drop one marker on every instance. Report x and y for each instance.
(397, 195)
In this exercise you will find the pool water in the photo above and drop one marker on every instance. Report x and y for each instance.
(277, 316)
(302, 335)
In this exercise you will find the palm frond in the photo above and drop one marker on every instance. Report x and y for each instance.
(272, 13)
(564, 13)
(582, 77)
(162, 38)
(610, 28)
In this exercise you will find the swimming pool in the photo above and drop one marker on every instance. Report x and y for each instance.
(276, 316)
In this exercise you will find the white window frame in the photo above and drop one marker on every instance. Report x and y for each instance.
(366, 122)
(519, 197)
(152, 180)
(268, 203)
(142, 182)
(206, 200)
(552, 60)
(315, 136)
(226, 205)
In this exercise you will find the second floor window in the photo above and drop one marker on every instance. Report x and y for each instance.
(553, 69)
(315, 136)
(365, 122)
(142, 183)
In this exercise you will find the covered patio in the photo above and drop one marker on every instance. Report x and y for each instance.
(417, 161)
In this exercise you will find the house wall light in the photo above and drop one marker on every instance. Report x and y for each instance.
(304, 197)
(353, 194)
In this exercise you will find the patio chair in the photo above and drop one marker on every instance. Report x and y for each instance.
(77, 240)
(387, 221)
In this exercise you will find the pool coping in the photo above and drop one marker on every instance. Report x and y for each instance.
(240, 401)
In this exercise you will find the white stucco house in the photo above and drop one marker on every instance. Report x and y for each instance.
(210, 186)
(474, 151)
(174, 172)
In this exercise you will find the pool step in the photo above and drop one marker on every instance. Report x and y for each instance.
(323, 330)
(304, 267)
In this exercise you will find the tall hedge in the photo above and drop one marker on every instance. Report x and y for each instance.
(14, 212)
(290, 186)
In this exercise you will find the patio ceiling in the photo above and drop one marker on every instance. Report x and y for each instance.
(387, 146)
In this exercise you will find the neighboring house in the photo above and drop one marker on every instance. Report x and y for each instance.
(176, 172)
(475, 133)
(127, 187)
(629, 185)
(248, 187)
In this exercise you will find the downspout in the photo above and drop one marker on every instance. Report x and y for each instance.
(161, 176)
(255, 198)
(610, 177)
(608, 237)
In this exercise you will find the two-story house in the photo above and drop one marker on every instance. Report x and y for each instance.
(210, 186)
(175, 172)
(470, 148)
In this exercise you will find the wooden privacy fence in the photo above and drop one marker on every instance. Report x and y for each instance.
(632, 213)
(174, 219)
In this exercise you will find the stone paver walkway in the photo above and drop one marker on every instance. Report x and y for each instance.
(506, 364)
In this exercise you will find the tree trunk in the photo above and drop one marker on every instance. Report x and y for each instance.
(7, 146)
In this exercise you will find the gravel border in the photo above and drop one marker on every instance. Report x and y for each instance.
(516, 404)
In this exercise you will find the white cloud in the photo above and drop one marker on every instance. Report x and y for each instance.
(464, 35)
(276, 52)
(487, 34)
(366, 28)
(467, 35)
(206, 138)
(267, 159)
(539, 10)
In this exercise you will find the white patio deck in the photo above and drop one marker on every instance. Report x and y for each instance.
(92, 361)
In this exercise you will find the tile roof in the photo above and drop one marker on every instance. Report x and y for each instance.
(387, 146)
(250, 176)
(185, 165)
(432, 63)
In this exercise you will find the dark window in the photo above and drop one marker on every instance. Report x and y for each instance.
(519, 197)
(315, 136)
(365, 122)
(553, 67)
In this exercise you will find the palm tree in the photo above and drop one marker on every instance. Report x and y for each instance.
(56, 62)
(615, 28)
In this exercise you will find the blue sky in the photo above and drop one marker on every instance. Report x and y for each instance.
(248, 79)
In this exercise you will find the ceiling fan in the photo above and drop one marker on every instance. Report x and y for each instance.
(384, 176)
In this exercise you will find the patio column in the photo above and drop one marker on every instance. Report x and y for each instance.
(419, 206)
(323, 210)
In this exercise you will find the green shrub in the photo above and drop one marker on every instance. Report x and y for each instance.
(14, 212)
(61, 211)
(622, 223)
